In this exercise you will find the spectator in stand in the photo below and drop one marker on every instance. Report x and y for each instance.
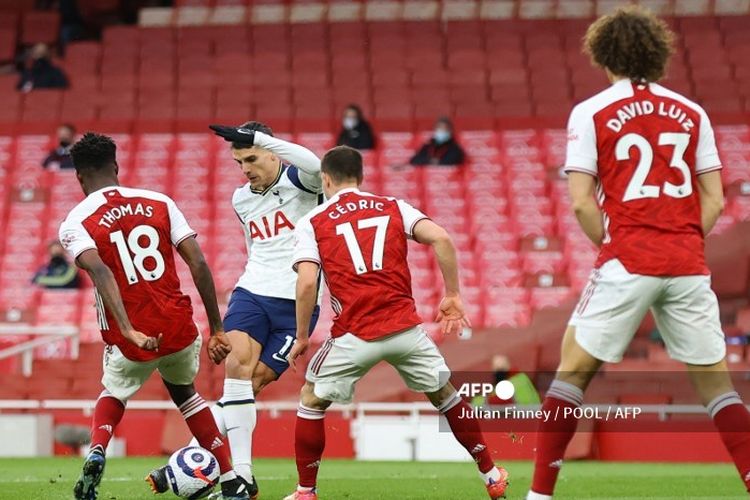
(442, 149)
(39, 72)
(356, 131)
(58, 272)
(59, 158)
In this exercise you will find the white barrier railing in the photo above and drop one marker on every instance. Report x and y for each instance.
(46, 335)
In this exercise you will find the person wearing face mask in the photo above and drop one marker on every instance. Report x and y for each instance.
(442, 149)
(58, 272)
(355, 131)
(40, 73)
(59, 158)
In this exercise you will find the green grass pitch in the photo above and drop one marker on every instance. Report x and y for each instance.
(53, 478)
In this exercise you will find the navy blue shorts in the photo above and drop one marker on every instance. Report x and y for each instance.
(270, 321)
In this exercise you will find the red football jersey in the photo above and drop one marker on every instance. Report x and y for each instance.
(360, 241)
(134, 231)
(647, 145)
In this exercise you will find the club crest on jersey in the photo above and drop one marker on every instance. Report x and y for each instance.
(268, 227)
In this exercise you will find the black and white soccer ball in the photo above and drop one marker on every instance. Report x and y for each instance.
(192, 472)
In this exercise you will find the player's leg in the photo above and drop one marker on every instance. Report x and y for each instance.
(281, 338)
(309, 441)
(419, 362)
(600, 329)
(688, 318)
(178, 371)
(331, 375)
(121, 379)
(247, 325)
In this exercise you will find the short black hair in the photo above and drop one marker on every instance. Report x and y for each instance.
(252, 125)
(343, 164)
(93, 152)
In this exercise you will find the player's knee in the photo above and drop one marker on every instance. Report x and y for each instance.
(238, 368)
(442, 395)
(262, 378)
(310, 400)
(180, 393)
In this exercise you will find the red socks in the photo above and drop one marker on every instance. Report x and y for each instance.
(107, 414)
(554, 435)
(309, 442)
(201, 422)
(732, 420)
(467, 431)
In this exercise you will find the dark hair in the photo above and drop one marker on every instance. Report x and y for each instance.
(68, 126)
(93, 152)
(356, 109)
(343, 164)
(632, 42)
(445, 121)
(257, 126)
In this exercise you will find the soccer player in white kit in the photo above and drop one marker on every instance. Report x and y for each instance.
(645, 183)
(283, 185)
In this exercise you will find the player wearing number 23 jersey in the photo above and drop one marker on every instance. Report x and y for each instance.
(647, 145)
(134, 230)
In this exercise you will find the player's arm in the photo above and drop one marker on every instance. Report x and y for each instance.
(307, 265)
(451, 310)
(712, 199)
(90, 261)
(305, 160)
(218, 344)
(306, 296)
(582, 189)
(708, 168)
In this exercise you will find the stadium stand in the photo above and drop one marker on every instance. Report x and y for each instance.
(508, 85)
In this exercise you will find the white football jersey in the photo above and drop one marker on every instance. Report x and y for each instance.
(269, 217)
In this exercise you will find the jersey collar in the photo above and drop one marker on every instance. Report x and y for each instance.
(344, 191)
(270, 186)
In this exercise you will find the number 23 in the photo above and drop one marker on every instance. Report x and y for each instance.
(637, 188)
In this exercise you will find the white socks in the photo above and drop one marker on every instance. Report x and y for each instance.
(493, 474)
(537, 496)
(239, 417)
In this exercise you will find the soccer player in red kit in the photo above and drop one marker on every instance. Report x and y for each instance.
(644, 178)
(359, 241)
(123, 238)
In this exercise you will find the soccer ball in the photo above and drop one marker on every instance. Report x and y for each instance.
(192, 472)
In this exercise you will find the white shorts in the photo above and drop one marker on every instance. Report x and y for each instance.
(341, 362)
(123, 377)
(615, 301)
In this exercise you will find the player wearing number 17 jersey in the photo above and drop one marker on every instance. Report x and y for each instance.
(644, 178)
(359, 241)
(123, 238)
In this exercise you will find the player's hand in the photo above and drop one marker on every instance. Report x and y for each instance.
(451, 315)
(218, 347)
(298, 349)
(143, 341)
(234, 134)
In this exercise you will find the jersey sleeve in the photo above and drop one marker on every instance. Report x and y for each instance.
(307, 162)
(706, 154)
(410, 216)
(180, 229)
(75, 239)
(581, 153)
(305, 244)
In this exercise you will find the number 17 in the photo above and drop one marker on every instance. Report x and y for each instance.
(378, 247)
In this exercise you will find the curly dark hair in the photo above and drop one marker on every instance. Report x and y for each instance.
(631, 42)
(93, 152)
(252, 125)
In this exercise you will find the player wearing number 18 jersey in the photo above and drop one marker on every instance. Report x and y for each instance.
(123, 238)
(359, 241)
(644, 178)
